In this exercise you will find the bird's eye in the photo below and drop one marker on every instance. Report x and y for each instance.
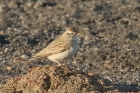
(72, 33)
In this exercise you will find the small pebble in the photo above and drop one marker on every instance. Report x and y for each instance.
(6, 50)
(24, 56)
(9, 68)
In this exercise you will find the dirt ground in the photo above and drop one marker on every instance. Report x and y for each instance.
(109, 42)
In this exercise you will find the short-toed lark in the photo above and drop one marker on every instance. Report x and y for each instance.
(63, 47)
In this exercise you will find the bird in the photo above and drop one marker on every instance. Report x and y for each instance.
(62, 48)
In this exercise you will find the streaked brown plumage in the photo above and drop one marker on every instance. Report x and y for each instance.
(65, 46)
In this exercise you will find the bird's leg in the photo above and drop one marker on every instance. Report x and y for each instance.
(57, 63)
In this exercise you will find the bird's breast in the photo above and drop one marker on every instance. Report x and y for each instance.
(68, 53)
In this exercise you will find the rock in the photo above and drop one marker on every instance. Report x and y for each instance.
(24, 56)
(6, 50)
(50, 79)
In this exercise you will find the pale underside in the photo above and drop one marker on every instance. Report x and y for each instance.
(68, 53)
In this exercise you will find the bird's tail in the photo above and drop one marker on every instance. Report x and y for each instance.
(31, 59)
(20, 59)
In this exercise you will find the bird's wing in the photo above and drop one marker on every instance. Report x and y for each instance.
(53, 48)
